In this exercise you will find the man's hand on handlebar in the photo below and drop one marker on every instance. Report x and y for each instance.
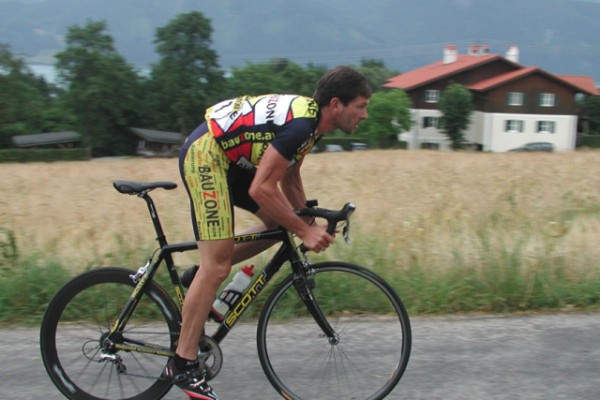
(316, 238)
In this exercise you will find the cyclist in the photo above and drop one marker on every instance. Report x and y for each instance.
(248, 153)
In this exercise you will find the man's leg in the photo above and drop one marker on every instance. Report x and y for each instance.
(244, 251)
(184, 369)
(215, 261)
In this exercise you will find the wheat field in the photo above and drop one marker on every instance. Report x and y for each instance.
(428, 207)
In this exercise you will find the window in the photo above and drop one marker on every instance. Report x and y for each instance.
(514, 125)
(546, 126)
(515, 98)
(432, 96)
(547, 99)
(431, 122)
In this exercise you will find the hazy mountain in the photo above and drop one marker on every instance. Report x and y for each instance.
(560, 36)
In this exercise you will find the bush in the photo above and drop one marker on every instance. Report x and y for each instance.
(26, 285)
(589, 141)
(8, 248)
(26, 289)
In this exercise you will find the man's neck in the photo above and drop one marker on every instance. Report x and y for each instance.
(325, 122)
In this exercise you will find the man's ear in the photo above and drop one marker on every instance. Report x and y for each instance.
(335, 103)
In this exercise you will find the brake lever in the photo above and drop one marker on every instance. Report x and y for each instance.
(346, 232)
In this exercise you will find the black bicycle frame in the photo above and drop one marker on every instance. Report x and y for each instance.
(286, 252)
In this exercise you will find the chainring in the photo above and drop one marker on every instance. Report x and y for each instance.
(210, 355)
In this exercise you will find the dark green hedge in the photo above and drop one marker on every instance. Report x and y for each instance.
(42, 155)
(590, 141)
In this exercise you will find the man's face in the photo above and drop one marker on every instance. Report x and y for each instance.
(348, 117)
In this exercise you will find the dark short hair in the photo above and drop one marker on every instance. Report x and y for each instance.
(344, 83)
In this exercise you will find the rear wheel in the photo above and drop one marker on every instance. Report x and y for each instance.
(367, 357)
(84, 362)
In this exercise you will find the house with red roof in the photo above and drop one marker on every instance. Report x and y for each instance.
(513, 104)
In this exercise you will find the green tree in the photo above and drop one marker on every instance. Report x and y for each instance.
(376, 73)
(456, 105)
(24, 98)
(58, 116)
(187, 79)
(275, 76)
(592, 108)
(389, 114)
(101, 89)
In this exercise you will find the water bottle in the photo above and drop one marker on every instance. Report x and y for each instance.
(188, 276)
(233, 290)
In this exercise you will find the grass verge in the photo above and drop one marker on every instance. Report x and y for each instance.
(499, 276)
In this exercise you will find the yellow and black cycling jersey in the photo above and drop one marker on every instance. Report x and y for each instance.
(246, 125)
(218, 160)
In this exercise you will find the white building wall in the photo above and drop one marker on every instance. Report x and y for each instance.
(418, 135)
(476, 130)
(489, 129)
(563, 138)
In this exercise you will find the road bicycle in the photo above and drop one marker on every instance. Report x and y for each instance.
(109, 332)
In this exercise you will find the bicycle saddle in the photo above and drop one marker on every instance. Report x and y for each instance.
(131, 187)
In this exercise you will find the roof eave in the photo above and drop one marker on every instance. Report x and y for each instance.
(484, 61)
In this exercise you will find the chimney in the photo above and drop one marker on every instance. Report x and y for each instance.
(512, 54)
(478, 49)
(450, 54)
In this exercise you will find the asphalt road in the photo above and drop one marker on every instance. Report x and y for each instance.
(548, 356)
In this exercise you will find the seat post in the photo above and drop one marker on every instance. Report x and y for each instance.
(160, 235)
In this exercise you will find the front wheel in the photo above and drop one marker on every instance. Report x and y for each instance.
(367, 357)
(84, 361)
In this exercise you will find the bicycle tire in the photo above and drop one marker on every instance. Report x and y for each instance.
(373, 350)
(72, 330)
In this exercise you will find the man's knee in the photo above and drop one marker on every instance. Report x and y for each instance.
(215, 274)
(216, 260)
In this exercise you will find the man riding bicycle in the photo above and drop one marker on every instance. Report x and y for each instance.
(248, 153)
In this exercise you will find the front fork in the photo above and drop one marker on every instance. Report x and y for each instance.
(304, 284)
